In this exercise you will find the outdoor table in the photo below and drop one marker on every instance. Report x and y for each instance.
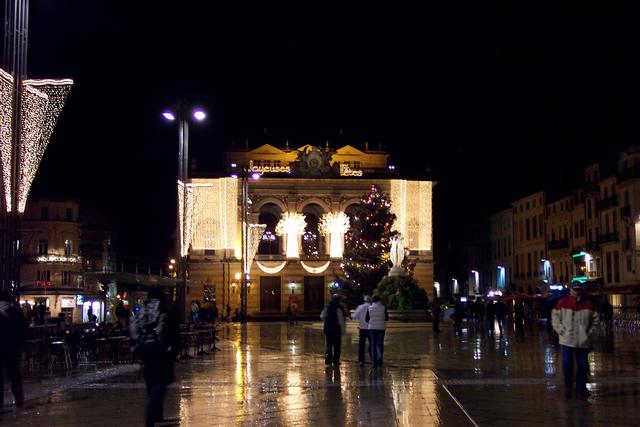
(187, 339)
(202, 333)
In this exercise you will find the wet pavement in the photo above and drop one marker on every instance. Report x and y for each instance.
(274, 374)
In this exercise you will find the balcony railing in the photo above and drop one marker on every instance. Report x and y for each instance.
(609, 202)
(608, 238)
(558, 244)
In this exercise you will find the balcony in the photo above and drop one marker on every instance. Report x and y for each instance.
(559, 244)
(609, 202)
(608, 238)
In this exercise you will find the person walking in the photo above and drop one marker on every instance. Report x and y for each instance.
(13, 333)
(574, 319)
(123, 314)
(334, 327)
(155, 338)
(458, 314)
(376, 317)
(436, 311)
(500, 310)
(491, 316)
(360, 314)
(607, 314)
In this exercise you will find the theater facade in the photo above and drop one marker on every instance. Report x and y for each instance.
(297, 213)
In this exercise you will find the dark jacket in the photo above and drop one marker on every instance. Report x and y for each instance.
(332, 324)
(13, 329)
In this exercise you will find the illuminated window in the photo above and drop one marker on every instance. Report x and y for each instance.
(43, 247)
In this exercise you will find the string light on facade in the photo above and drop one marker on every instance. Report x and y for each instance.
(292, 225)
(412, 204)
(185, 228)
(334, 225)
(214, 217)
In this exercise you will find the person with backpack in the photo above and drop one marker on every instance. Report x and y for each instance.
(13, 333)
(334, 328)
(155, 339)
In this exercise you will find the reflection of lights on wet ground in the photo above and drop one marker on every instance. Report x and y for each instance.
(293, 349)
(477, 351)
(549, 361)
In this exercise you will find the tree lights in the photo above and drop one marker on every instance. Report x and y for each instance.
(366, 256)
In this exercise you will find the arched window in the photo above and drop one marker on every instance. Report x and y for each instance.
(270, 243)
(312, 242)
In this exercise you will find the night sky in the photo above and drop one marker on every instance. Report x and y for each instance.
(493, 101)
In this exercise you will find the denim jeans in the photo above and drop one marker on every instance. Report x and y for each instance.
(376, 340)
(582, 364)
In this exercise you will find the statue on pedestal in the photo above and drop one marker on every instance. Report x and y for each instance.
(397, 256)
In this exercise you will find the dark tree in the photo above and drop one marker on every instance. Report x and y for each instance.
(367, 243)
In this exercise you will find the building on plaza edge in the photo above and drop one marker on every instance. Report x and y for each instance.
(302, 198)
(590, 236)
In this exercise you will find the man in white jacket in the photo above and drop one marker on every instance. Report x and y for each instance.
(376, 317)
(574, 319)
(361, 314)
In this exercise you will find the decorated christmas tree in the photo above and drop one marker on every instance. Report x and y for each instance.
(367, 243)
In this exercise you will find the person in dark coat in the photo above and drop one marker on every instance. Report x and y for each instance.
(500, 309)
(491, 316)
(458, 315)
(13, 332)
(155, 338)
(334, 327)
(607, 314)
(436, 311)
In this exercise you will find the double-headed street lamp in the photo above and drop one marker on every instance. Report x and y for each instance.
(182, 116)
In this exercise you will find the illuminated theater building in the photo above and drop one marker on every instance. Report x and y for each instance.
(303, 199)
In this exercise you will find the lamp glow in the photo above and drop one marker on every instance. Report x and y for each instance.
(199, 115)
(168, 116)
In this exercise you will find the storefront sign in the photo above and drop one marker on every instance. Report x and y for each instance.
(56, 258)
(269, 169)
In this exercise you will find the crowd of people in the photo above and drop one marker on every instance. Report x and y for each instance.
(156, 341)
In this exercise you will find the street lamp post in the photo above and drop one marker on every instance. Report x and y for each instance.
(244, 173)
(182, 245)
